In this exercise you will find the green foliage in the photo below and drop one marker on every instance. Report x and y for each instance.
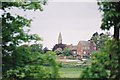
(67, 52)
(12, 36)
(97, 69)
(31, 65)
(111, 16)
(26, 5)
(37, 48)
(50, 57)
(105, 63)
(23, 62)
(100, 39)
(112, 47)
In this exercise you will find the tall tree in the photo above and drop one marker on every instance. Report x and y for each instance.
(19, 61)
(12, 30)
(111, 16)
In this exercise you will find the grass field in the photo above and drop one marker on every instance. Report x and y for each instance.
(69, 70)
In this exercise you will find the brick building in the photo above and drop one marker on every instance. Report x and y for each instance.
(82, 48)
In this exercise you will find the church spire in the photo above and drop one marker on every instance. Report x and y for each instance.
(60, 38)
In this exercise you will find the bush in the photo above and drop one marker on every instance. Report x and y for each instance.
(30, 66)
(104, 64)
(97, 69)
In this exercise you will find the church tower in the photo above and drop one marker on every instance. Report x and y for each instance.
(60, 39)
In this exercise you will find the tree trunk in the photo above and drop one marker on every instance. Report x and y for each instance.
(116, 33)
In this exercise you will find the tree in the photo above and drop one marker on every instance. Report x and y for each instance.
(111, 16)
(98, 67)
(21, 61)
(105, 64)
(12, 27)
(31, 66)
(100, 39)
(45, 49)
(67, 52)
(36, 48)
(101, 66)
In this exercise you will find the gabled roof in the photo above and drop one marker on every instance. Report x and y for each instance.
(84, 43)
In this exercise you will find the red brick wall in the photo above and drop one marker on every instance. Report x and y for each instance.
(79, 48)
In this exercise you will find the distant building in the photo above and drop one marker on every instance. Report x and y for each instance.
(85, 47)
(82, 48)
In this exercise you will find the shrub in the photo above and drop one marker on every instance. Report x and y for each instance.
(31, 66)
(104, 64)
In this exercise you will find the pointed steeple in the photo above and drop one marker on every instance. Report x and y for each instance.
(60, 38)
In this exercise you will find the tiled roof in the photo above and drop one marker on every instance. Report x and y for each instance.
(85, 43)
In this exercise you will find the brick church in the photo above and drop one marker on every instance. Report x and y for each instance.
(82, 48)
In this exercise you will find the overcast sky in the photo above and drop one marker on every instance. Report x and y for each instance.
(75, 20)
